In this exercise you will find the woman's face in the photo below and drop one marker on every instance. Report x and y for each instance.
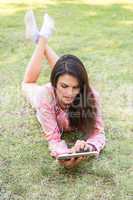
(67, 89)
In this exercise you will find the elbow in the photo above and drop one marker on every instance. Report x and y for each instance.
(23, 87)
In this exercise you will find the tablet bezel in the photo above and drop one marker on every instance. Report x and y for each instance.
(76, 155)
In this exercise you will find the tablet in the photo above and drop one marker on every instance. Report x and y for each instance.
(76, 155)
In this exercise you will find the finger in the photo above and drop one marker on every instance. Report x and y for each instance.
(87, 147)
(72, 160)
(73, 150)
(78, 160)
(77, 149)
(84, 158)
(69, 151)
(61, 161)
(53, 154)
(82, 146)
(70, 163)
(65, 163)
(80, 142)
(77, 142)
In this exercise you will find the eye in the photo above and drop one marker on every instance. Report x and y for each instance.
(76, 87)
(64, 85)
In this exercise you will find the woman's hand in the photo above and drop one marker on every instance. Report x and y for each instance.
(72, 162)
(81, 146)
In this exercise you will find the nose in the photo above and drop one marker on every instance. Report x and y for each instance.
(70, 92)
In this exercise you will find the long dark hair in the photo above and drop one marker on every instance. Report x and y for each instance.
(83, 110)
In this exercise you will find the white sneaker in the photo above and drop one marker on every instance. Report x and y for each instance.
(47, 27)
(31, 31)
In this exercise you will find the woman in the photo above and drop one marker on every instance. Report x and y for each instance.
(67, 102)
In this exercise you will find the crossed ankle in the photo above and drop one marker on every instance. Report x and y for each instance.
(32, 31)
(47, 27)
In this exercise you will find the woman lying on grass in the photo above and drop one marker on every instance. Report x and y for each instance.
(68, 102)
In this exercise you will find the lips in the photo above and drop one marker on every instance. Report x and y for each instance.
(70, 98)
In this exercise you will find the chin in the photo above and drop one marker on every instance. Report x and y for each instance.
(68, 101)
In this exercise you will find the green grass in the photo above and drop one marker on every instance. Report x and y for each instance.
(101, 35)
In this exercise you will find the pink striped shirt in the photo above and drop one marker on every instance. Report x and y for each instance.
(54, 120)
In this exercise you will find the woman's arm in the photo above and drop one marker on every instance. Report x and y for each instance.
(29, 86)
(97, 138)
(97, 141)
(51, 56)
(34, 67)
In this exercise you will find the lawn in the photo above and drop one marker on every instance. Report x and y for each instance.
(101, 34)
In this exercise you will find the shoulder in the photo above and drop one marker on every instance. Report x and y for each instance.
(95, 93)
(46, 89)
(97, 100)
(45, 95)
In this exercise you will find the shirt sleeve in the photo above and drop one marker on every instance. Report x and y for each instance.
(45, 113)
(97, 138)
(42, 100)
(47, 117)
